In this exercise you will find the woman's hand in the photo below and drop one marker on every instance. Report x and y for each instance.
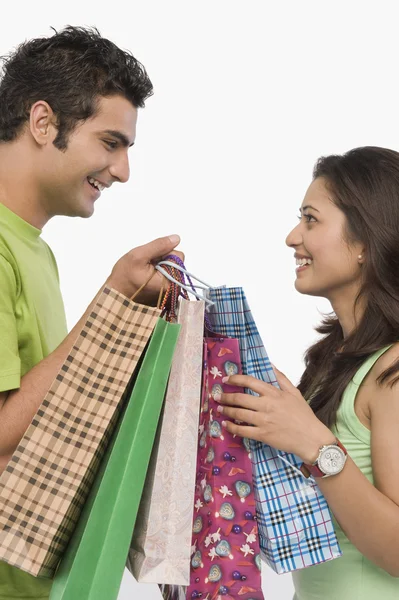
(279, 417)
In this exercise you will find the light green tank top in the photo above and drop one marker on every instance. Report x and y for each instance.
(352, 576)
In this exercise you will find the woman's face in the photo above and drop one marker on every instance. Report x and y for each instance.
(332, 267)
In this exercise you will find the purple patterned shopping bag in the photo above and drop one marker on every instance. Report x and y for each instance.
(225, 561)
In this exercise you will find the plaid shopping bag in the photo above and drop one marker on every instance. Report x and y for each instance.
(161, 545)
(225, 550)
(45, 484)
(295, 526)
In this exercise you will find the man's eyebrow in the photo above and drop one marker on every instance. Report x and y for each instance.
(308, 206)
(124, 140)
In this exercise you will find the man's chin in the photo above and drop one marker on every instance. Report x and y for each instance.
(86, 214)
(82, 211)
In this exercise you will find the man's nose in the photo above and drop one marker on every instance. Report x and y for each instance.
(120, 169)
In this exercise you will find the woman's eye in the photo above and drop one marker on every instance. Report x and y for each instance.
(308, 218)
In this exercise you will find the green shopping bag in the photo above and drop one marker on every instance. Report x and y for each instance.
(93, 564)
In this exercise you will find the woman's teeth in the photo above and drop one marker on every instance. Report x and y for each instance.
(301, 262)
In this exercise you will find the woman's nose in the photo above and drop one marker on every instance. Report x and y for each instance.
(294, 238)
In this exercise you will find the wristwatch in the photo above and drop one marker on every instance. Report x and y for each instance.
(331, 461)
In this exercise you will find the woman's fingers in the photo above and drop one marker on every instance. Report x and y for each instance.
(239, 414)
(242, 400)
(253, 384)
(241, 430)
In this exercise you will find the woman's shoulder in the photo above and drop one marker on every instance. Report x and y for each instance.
(384, 362)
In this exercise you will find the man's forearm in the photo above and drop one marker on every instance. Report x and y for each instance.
(134, 276)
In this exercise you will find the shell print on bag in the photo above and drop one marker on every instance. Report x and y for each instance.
(202, 441)
(243, 489)
(208, 493)
(230, 368)
(247, 444)
(227, 511)
(198, 525)
(215, 574)
(216, 389)
(215, 429)
(196, 560)
(211, 455)
(224, 549)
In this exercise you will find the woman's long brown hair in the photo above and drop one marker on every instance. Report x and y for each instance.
(364, 184)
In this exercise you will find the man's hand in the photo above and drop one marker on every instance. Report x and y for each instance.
(134, 269)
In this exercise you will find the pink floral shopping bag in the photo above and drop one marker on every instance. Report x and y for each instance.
(225, 560)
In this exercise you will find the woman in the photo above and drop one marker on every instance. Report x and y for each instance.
(347, 249)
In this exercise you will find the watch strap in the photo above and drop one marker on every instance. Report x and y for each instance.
(314, 469)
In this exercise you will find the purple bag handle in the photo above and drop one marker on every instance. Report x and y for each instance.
(184, 273)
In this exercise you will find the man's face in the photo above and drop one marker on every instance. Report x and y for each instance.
(96, 157)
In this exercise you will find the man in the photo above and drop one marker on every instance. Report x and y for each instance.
(68, 111)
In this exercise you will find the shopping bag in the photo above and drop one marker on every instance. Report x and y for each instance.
(46, 482)
(295, 526)
(93, 565)
(225, 548)
(161, 545)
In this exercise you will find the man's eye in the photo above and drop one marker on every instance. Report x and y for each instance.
(111, 145)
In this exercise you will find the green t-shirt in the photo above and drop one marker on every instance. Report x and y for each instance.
(32, 325)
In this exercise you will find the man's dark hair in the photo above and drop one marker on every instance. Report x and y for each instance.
(71, 70)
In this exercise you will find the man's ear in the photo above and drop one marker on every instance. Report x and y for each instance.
(41, 122)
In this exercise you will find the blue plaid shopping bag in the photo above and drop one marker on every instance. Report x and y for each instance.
(294, 521)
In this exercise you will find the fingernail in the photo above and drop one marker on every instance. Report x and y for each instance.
(217, 397)
(175, 239)
(225, 379)
(220, 409)
(223, 423)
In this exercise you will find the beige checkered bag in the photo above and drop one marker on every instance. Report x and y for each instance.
(46, 482)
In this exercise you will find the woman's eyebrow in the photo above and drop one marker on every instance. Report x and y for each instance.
(308, 206)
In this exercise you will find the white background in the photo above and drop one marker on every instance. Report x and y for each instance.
(247, 96)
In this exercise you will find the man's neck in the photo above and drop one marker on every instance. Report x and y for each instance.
(17, 189)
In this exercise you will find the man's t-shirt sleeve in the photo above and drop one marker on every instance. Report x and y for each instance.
(10, 363)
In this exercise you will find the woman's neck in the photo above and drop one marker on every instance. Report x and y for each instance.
(347, 313)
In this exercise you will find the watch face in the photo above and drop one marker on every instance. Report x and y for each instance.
(331, 460)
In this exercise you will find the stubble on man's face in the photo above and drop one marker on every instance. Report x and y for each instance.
(97, 149)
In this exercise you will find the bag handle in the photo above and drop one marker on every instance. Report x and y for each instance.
(137, 292)
(175, 271)
(205, 286)
(177, 264)
(171, 298)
